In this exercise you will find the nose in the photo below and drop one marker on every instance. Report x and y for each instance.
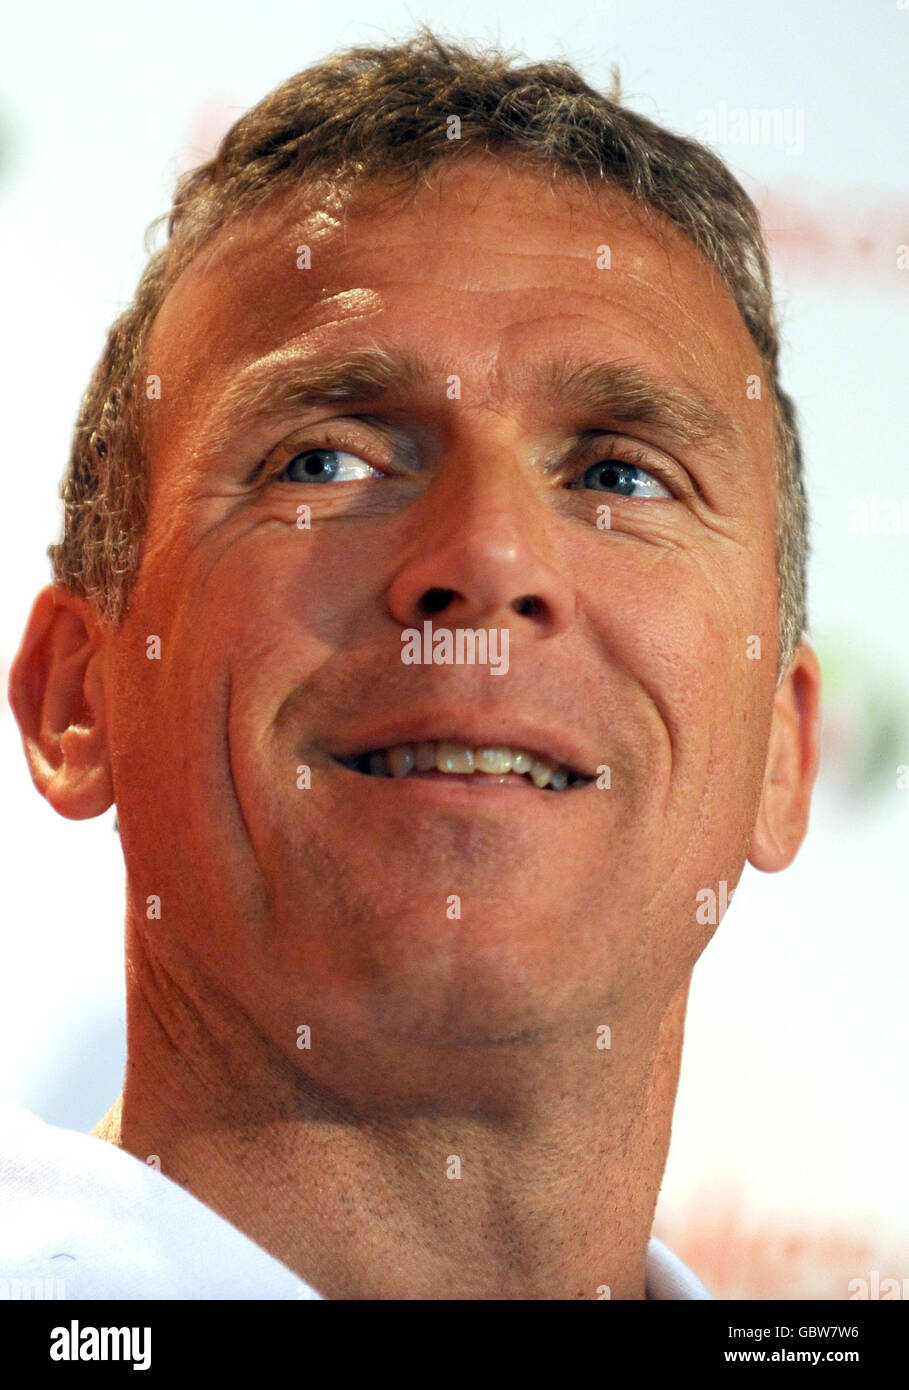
(479, 556)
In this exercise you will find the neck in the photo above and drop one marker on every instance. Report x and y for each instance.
(548, 1196)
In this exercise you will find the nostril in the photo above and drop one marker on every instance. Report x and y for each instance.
(435, 600)
(529, 606)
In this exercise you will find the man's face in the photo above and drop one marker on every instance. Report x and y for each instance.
(444, 909)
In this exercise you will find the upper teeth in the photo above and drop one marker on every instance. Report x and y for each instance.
(403, 758)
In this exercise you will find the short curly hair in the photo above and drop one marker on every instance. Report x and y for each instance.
(382, 113)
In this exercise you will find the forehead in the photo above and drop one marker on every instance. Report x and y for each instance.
(486, 266)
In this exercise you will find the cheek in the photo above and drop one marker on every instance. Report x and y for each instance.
(286, 593)
(693, 633)
(676, 615)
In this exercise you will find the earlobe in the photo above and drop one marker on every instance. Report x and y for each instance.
(57, 694)
(792, 759)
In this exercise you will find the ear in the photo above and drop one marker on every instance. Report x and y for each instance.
(792, 758)
(56, 691)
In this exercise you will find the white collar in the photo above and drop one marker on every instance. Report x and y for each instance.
(92, 1221)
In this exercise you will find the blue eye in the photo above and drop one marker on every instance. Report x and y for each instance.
(618, 475)
(322, 466)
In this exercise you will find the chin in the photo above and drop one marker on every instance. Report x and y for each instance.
(472, 984)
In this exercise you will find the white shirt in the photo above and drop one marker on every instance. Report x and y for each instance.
(80, 1218)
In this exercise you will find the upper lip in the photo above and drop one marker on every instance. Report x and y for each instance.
(474, 730)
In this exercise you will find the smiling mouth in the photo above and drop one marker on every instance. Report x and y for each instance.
(434, 759)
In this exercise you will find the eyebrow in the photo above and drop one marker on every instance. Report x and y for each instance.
(631, 394)
(274, 386)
